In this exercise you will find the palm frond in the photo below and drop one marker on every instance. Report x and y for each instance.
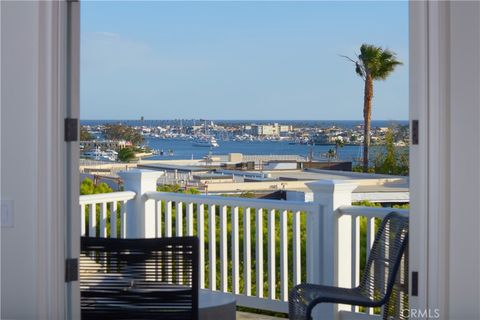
(348, 58)
(359, 69)
(378, 62)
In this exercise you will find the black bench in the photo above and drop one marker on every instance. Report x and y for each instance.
(139, 278)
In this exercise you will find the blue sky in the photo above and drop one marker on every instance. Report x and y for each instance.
(237, 60)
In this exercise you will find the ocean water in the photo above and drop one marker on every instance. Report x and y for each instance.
(185, 150)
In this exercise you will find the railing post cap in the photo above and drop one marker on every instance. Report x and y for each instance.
(330, 186)
(140, 173)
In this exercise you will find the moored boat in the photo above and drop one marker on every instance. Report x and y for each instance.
(207, 141)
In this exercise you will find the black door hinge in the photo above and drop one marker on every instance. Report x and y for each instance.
(71, 129)
(71, 270)
(414, 132)
(415, 283)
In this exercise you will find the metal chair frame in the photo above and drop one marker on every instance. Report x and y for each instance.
(377, 280)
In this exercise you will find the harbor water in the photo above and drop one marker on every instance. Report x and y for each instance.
(183, 149)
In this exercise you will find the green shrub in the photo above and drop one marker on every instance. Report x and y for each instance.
(176, 188)
(88, 187)
(126, 154)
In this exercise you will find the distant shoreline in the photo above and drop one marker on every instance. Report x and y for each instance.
(244, 120)
(296, 123)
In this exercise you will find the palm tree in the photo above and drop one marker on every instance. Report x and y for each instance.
(338, 144)
(373, 63)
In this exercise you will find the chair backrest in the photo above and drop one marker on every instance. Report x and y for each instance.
(139, 278)
(385, 256)
(397, 303)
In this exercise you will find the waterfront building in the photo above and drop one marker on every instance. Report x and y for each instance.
(265, 129)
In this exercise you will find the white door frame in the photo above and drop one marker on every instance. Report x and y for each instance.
(57, 181)
(418, 84)
(73, 225)
(429, 160)
(58, 226)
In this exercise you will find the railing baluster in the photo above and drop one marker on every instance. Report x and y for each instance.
(284, 255)
(123, 219)
(223, 250)
(247, 256)
(259, 252)
(179, 233)
(168, 233)
(355, 254)
(92, 220)
(168, 219)
(201, 237)
(82, 219)
(179, 219)
(212, 251)
(297, 258)
(235, 253)
(271, 254)
(189, 219)
(113, 220)
(370, 238)
(103, 220)
(158, 219)
(370, 233)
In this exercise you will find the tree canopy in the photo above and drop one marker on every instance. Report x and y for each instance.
(374, 61)
(122, 132)
(394, 160)
(85, 135)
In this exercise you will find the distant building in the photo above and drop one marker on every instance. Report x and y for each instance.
(285, 128)
(265, 129)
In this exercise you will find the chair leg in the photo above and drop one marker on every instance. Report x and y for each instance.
(310, 307)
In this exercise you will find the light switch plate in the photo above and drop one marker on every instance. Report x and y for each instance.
(6, 212)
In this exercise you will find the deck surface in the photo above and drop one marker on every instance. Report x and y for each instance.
(254, 316)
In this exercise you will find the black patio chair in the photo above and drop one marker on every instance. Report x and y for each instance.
(139, 278)
(376, 282)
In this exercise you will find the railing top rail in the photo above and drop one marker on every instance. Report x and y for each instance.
(371, 212)
(232, 201)
(104, 197)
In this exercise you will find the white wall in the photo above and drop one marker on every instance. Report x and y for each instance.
(18, 154)
(34, 160)
(464, 219)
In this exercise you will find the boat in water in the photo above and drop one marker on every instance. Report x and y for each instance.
(98, 154)
(206, 141)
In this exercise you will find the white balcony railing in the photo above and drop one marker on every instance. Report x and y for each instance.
(236, 271)
(99, 210)
(256, 249)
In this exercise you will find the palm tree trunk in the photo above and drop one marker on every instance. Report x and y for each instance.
(367, 117)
